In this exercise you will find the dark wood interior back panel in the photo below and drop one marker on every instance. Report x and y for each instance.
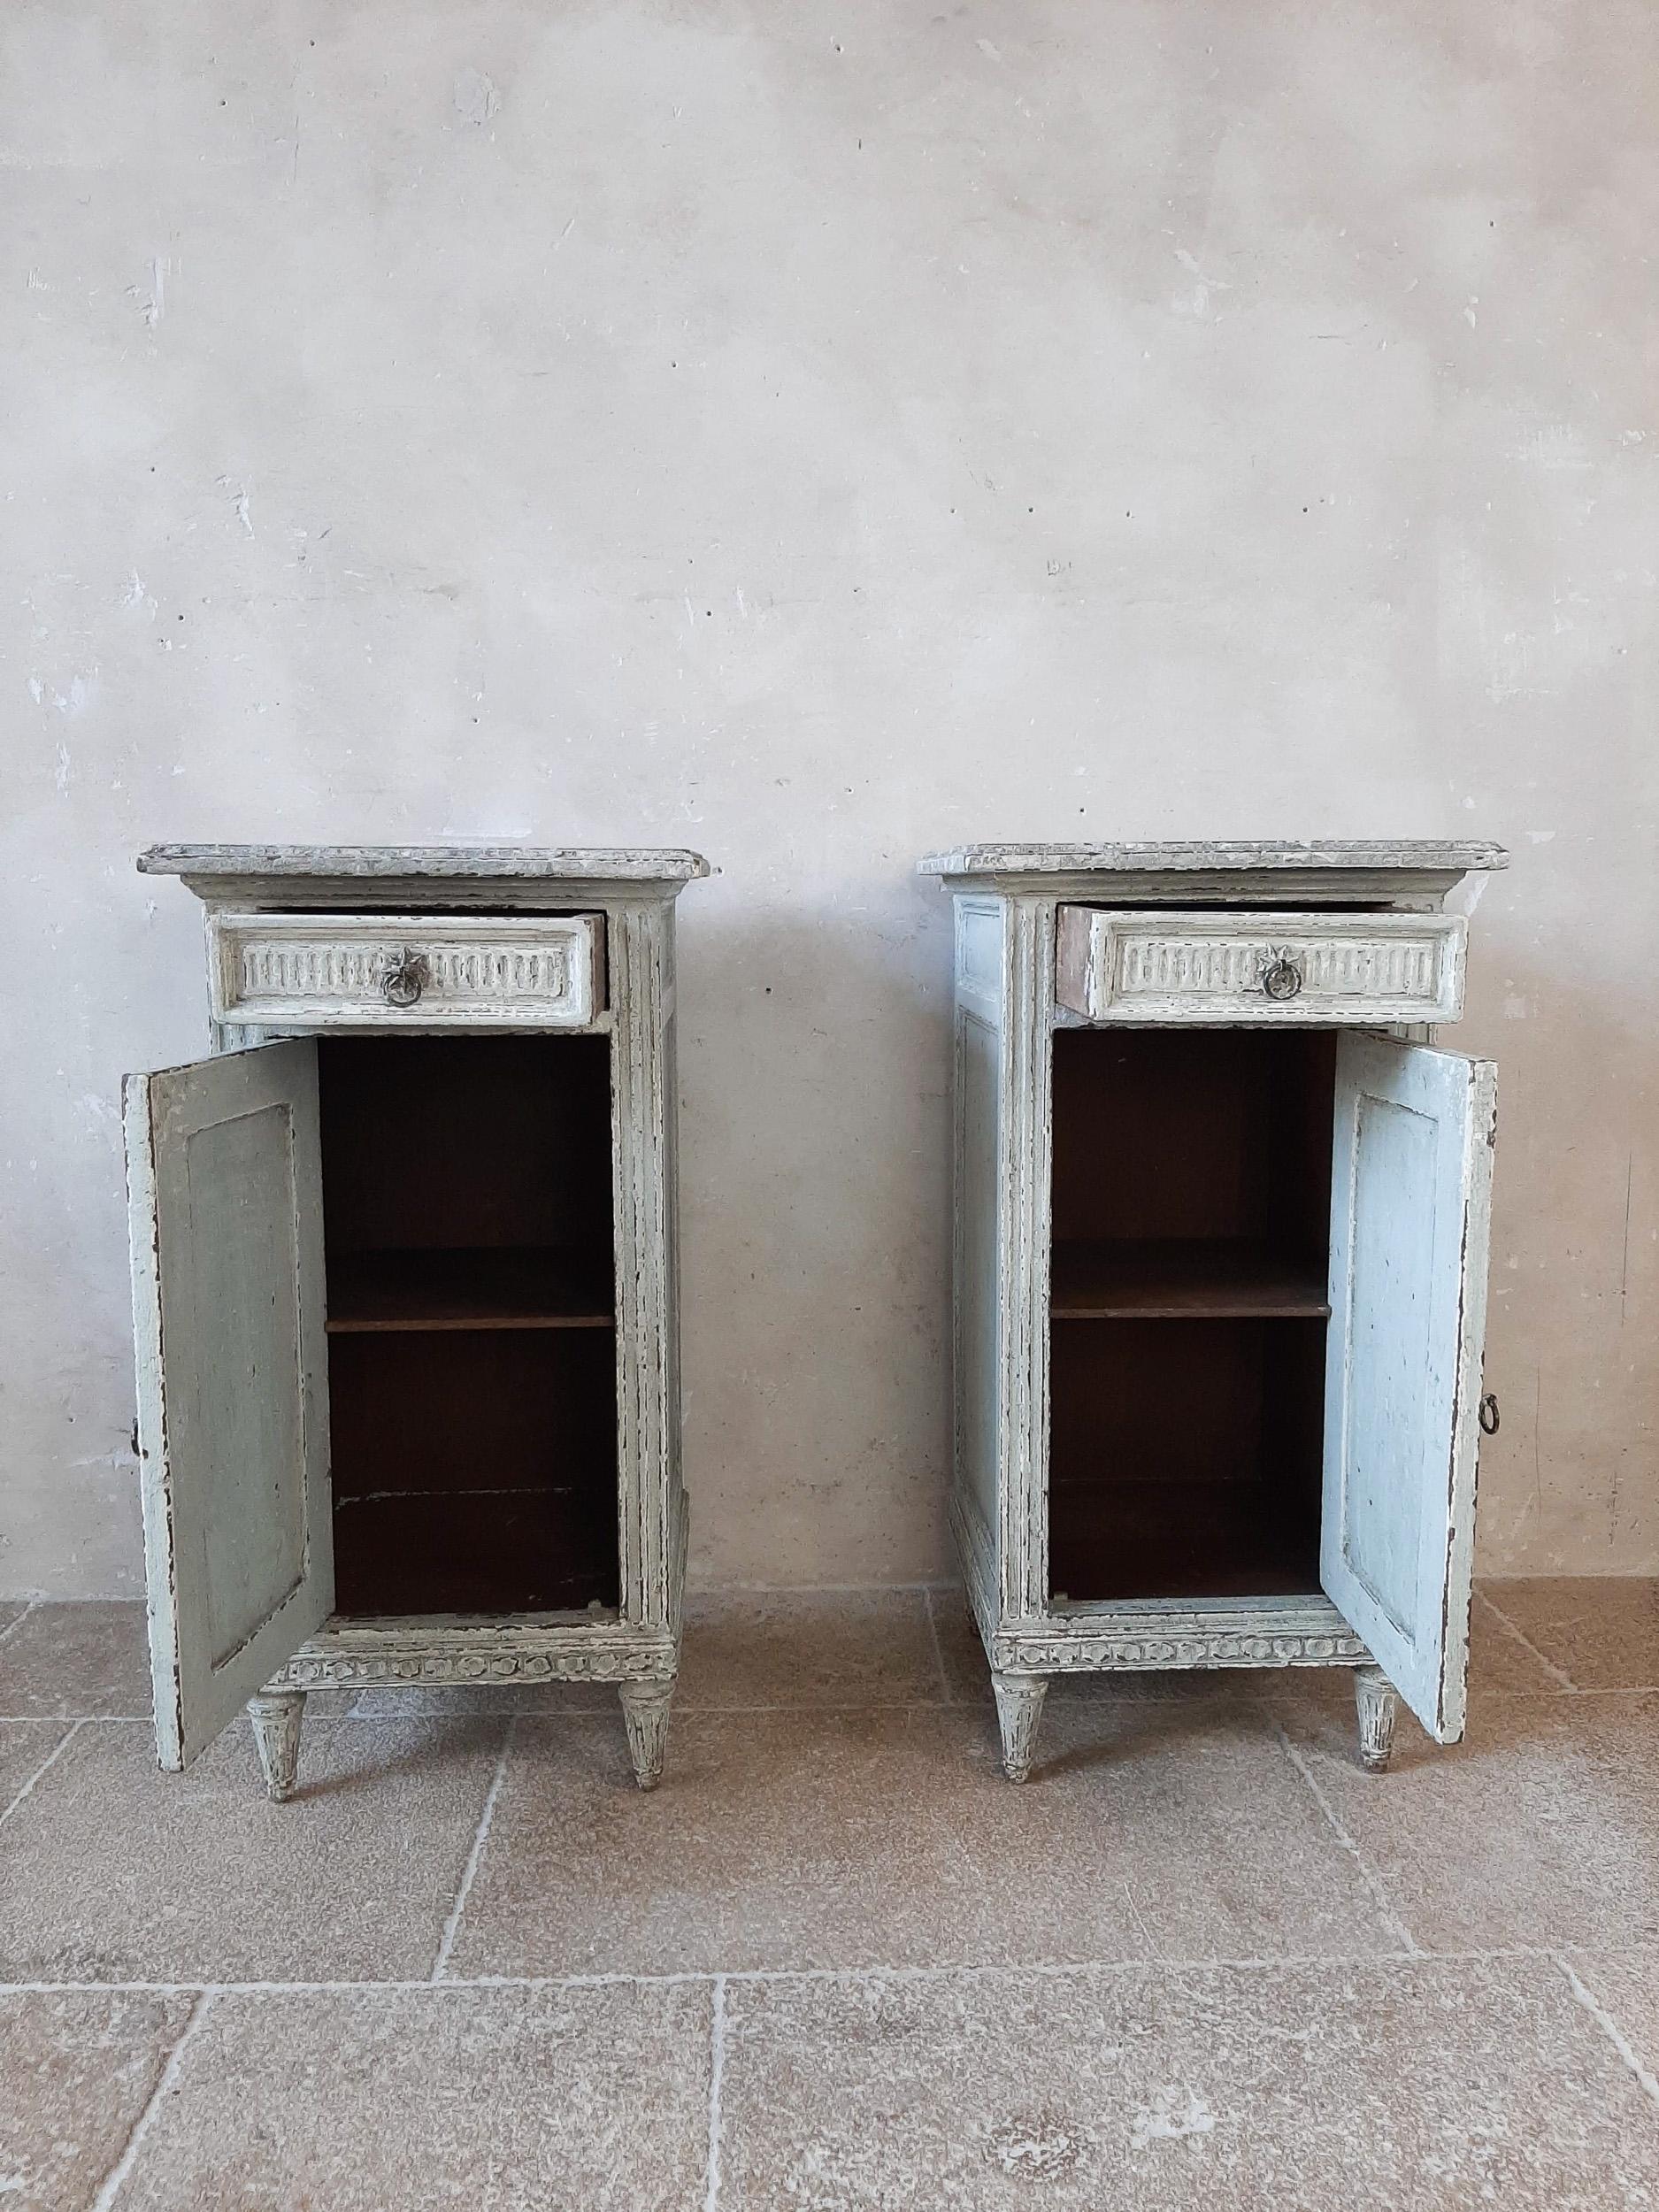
(1185, 1458)
(1155, 1402)
(1196, 1540)
(438, 1141)
(467, 1181)
(1196, 1132)
(1185, 1452)
(467, 1455)
(527, 1551)
(469, 1410)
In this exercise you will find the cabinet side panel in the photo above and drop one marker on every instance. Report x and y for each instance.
(642, 1106)
(1025, 1203)
(675, 1515)
(976, 1339)
(978, 1398)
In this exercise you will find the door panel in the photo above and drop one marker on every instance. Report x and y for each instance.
(1409, 1202)
(225, 1200)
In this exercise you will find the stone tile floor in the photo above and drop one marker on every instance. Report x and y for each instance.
(836, 1961)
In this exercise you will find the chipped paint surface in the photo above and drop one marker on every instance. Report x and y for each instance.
(821, 445)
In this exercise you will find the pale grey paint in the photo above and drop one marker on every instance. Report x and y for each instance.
(225, 1180)
(477, 971)
(818, 441)
(1152, 968)
(978, 1180)
(638, 1646)
(1019, 954)
(508, 864)
(1410, 1196)
(1406, 856)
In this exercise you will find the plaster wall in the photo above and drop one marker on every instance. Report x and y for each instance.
(817, 433)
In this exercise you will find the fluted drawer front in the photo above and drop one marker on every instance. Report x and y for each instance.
(408, 971)
(1260, 968)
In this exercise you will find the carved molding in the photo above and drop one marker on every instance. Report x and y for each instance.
(1218, 968)
(319, 970)
(368, 1658)
(1084, 1651)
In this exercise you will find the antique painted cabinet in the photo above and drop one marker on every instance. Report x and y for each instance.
(404, 1284)
(1220, 1259)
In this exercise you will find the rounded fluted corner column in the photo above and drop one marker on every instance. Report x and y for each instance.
(1018, 1710)
(1377, 1702)
(645, 1710)
(276, 1716)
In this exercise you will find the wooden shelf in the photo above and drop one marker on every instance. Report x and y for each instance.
(524, 1287)
(1187, 1279)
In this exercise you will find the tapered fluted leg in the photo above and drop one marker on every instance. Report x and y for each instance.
(1018, 1709)
(276, 1716)
(645, 1710)
(1379, 1701)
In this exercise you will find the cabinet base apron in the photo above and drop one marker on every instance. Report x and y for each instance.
(643, 1663)
(1162, 1636)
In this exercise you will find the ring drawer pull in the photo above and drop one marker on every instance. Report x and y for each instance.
(404, 977)
(1282, 975)
(1489, 1414)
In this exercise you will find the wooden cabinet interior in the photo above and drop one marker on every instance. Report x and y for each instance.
(1188, 1299)
(468, 1237)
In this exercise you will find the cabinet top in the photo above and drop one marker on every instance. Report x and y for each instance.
(417, 877)
(634, 864)
(1339, 871)
(1413, 854)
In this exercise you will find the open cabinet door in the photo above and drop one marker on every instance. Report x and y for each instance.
(1411, 1188)
(225, 1198)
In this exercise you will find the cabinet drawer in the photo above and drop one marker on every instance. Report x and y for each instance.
(408, 971)
(1260, 968)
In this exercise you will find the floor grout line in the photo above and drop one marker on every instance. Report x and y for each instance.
(1559, 1674)
(1645, 2079)
(717, 2077)
(1391, 1920)
(115, 2180)
(51, 1758)
(939, 1648)
(386, 1718)
(452, 1926)
(1245, 1685)
(476, 1984)
(11, 1627)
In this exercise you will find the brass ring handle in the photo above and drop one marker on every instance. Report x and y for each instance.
(404, 977)
(1489, 1414)
(1282, 975)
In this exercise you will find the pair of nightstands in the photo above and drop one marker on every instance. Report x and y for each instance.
(405, 1282)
